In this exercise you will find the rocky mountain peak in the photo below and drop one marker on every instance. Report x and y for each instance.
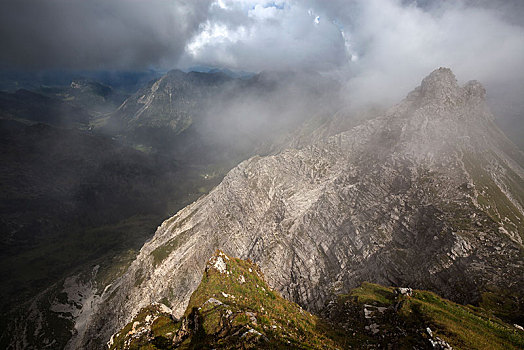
(475, 90)
(440, 84)
(440, 76)
(440, 88)
(176, 73)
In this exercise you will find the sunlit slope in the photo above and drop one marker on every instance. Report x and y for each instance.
(234, 308)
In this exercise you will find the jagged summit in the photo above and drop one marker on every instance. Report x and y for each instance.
(441, 83)
(440, 116)
(475, 90)
(440, 88)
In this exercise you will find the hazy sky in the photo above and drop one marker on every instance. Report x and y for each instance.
(374, 45)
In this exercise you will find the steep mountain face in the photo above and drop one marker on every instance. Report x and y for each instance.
(428, 195)
(171, 101)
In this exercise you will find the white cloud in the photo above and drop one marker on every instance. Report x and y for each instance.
(399, 44)
(373, 44)
(275, 35)
(261, 12)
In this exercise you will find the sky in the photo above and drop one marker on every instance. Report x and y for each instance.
(380, 48)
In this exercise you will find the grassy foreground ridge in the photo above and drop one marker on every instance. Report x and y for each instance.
(235, 308)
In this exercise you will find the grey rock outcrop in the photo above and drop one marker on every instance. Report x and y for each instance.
(171, 101)
(428, 195)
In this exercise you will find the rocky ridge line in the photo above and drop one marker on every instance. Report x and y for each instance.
(404, 199)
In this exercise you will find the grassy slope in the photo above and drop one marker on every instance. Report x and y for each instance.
(235, 308)
(463, 327)
(247, 313)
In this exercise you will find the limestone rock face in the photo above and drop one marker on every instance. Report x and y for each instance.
(428, 195)
(171, 101)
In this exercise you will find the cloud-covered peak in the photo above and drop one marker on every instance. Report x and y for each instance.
(439, 84)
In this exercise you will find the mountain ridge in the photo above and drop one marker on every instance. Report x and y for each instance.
(389, 201)
(234, 308)
(196, 116)
(415, 197)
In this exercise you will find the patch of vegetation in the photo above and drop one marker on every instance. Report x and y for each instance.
(234, 308)
(165, 302)
(254, 305)
(114, 268)
(163, 251)
(504, 304)
(151, 328)
(463, 327)
(139, 277)
(237, 309)
(369, 293)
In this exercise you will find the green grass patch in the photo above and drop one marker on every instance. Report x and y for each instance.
(463, 327)
(236, 308)
(370, 293)
(163, 251)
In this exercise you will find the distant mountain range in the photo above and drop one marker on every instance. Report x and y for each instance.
(230, 73)
(128, 81)
(212, 118)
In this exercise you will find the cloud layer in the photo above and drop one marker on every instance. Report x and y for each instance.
(266, 35)
(373, 44)
(380, 48)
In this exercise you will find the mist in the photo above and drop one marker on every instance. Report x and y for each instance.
(380, 49)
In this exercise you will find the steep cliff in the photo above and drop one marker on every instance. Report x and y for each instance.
(428, 195)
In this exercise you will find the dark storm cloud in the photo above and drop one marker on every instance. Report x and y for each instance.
(91, 34)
